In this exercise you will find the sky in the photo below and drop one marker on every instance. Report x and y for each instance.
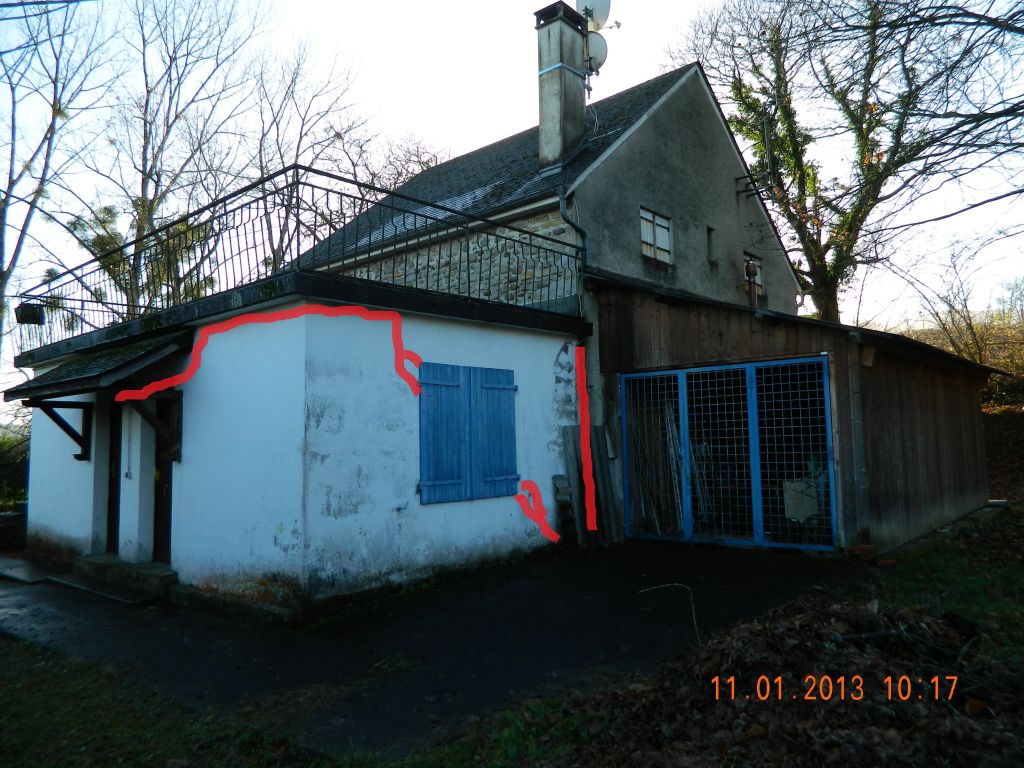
(460, 74)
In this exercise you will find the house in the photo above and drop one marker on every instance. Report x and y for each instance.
(314, 388)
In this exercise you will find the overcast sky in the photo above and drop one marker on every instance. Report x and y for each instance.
(463, 73)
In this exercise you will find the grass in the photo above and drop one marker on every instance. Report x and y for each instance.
(532, 733)
(58, 711)
(963, 573)
(394, 664)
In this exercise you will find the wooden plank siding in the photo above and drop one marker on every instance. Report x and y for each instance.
(923, 445)
(925, 450)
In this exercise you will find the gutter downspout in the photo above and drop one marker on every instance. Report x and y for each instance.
(563, 211)
(606, 411)
(584, 236)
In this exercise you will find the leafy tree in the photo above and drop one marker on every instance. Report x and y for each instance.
(13, 463)
(173, 262)
(855, 109)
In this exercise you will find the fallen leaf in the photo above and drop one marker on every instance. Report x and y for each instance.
(978, 708)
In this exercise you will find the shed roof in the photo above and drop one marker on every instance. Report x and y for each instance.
(895, 342)
(96, 370)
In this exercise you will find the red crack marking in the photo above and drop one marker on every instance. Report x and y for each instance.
(583, 400)
(402, 355)
(534, 509)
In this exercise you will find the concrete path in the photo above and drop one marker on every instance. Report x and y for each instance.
(391, 672)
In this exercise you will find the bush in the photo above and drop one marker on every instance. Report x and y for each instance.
(13, 465)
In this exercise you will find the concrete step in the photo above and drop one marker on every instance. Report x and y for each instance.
(23, 570)
(154, 578)
(111, 591)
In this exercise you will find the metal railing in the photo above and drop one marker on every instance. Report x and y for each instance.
(316, 222)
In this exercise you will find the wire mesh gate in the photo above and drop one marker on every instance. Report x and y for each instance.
(739, 454)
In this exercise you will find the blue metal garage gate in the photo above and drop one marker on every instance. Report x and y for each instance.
(736, 454)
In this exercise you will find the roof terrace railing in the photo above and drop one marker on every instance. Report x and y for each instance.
(302, 219)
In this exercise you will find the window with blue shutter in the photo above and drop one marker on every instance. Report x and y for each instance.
(467, 433)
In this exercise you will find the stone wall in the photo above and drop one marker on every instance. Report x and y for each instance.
(495, 264)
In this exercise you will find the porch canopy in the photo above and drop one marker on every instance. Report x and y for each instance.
(93, 371)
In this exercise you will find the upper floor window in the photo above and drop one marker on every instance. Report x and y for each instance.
(655, 236)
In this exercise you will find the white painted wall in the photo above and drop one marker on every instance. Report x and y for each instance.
(364, 521)
(138, 470)
(300, 453)
(300, 458)
(236, 499)
(61, 499)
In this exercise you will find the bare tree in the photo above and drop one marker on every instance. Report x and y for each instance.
(406, 157)
(306, 122)
(400, 160)
(952, 323)
(855, 109)
(172, 141)
(196, 116)
(51, 77)
(990, 334)
(301, 122)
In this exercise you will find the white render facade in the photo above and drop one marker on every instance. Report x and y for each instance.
(300, 458)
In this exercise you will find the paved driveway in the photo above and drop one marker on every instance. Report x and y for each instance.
(388, 672)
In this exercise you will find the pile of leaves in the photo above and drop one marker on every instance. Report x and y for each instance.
(677, 719)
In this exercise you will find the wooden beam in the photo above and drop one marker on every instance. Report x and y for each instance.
(171, 433)
(82, 438)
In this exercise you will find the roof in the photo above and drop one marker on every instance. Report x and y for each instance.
(905, 344)
(508, 172)
(494, 178)
(96, 370)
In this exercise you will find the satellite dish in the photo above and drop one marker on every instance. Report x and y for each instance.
(597, 50)
(596, 12)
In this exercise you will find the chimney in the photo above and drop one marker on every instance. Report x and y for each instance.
(561, 33)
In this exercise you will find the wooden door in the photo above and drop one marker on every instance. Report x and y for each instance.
(166, 411)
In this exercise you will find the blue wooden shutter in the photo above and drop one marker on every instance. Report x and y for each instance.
(444, 433)
(493, 462)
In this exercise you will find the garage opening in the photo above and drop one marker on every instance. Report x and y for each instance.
(736, 454)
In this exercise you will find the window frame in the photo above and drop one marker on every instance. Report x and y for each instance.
(659, 245)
